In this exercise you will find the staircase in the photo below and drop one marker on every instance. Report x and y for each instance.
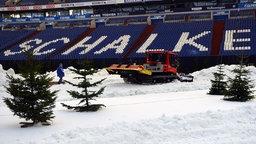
(144, 35)
(218, 29)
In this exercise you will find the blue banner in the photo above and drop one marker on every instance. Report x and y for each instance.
(248, 5)
(46, 18)
(157, 17)
(220, 13)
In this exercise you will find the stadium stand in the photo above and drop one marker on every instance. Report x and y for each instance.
(19, 26)
(127, 20)
(81, 23)
(106, 42)
(9, 37)
(203, 16)
(126, 31)
(194, 38)
(147, 31)
(175, 17)
(116, 21)
(78, 41)
(217, 34)
(63, 24)
(44, 43)
(34, 2)
(185, 38)
(73, 23)
(70, 1)
(242, 14)
(187, 17)
(2, 3)
(239, 37)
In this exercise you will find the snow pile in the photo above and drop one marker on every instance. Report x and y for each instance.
(3, 80)
(201, 82)
(176, 112)
(199, 128)
(3, 75)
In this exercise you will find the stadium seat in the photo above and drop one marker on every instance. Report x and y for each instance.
(239, 37)
(45, 43)
(107, 42)
(189, 38)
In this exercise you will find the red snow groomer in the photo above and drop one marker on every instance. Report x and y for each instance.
(160, 67)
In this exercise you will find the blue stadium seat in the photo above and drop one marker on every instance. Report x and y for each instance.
(8, 37)
(108, 35)
(239, 37)
(169, 36)
(45, 43)
(187, 39)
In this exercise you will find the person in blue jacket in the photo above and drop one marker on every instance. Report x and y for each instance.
(60, 73)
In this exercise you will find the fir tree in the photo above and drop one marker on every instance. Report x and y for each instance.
(218, 84)
(30, 97)
(85, 84)
(240, 87)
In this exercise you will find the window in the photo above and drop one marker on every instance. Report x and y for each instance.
(157, 57)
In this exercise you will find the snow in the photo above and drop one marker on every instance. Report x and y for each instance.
(176, 112)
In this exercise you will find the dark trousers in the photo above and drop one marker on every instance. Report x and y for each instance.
(60, 80)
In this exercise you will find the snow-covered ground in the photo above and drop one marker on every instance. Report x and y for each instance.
(171, 113)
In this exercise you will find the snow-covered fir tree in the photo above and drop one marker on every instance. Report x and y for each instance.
(240, 87)
(31, 97)
(219, 86)
(86, 95)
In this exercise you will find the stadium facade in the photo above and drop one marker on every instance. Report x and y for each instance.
(120, 31)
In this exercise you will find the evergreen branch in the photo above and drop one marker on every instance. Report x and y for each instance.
(85, 84)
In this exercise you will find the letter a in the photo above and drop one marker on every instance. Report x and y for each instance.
(119, 45)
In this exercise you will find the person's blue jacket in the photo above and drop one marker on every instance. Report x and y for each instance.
(60, 72)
